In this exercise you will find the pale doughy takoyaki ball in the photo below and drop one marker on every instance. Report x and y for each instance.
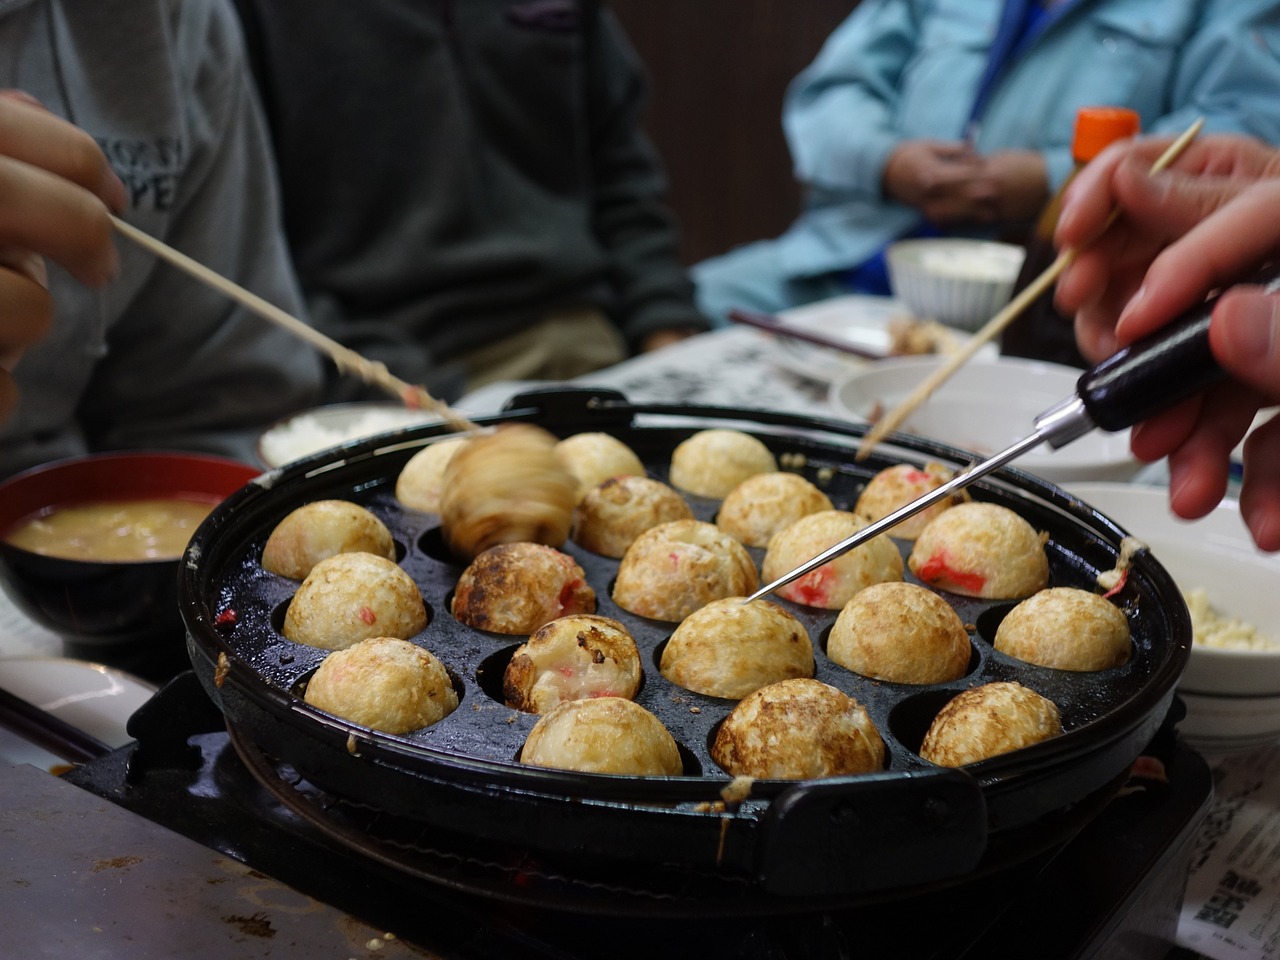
(595, 457)
(603, 735)
(989, 720)
(835, 583)
(981, 550)
(517, 587)
(798, 730)
(712, 462)
(421, 479)
(760, 506)
(351, 597)
(896, 486)
(1067, 629)
(675, 568)
(506, 487)
(613, 513)
(321, 529)
(900, 632)
(385, 684)
(730, 648)
(571, 658)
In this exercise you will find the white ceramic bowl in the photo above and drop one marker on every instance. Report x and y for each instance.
(309, 432)
(1232, 695)
(962, 283)
(985, 406)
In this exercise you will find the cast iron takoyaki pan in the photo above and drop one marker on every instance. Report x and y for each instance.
(911, 825)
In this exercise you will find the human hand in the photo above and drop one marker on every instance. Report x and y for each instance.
(55, 190)
(664, 338)
(1200, 226)
(944, 180)
(1020, 182)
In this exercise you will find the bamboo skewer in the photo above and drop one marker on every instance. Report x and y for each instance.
(347, 360)
(993, 327)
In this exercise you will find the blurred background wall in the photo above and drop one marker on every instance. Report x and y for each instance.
(718, 69)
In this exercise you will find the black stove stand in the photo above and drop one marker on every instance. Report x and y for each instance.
(1113, 892)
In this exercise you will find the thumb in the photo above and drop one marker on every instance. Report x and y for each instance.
(1245, 337)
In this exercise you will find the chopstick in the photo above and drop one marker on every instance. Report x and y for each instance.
(48, 732)
(1004, 317)
(773, 325)
(347, 360)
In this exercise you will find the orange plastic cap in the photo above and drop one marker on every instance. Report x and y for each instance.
(1098, 127)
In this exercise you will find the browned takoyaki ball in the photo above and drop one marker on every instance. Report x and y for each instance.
(712, 462)
(730, 648)
(675, 568)
(761, 505)
(613, 513)
(506, 487)
(603, 735)
(900, 632)
(981, 550)
(384, 684)
(517, 587)
(351, 597)
(797, 730)
(1067, 629)
(833, 584)
(570, 658)
(421, 479)
(896, 486)
(595, 457)
(319, 530)
(989, 720)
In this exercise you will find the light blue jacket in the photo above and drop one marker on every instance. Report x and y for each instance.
(910, 69)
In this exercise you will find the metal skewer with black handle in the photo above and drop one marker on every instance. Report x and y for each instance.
(1144, 378)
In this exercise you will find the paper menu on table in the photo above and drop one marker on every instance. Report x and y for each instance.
(1231, 910)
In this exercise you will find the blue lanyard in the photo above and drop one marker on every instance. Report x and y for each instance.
(1021, 23)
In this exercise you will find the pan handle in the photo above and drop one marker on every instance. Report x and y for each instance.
(856, 834)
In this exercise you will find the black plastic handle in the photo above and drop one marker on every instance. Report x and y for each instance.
(1152, 374)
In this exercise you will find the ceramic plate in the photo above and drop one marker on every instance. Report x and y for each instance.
(986, 406)
(98, 700)
(861, 321)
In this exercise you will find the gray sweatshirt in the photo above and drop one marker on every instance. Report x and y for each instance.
(155, 360)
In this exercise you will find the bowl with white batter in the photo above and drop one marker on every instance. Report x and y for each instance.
(1231, 686)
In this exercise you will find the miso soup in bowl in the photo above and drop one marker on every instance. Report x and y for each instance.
(90, 546)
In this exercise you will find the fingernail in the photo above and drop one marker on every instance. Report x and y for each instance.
(114, 194)
(1264, 527)
(1254, 327)
(1157, 185)
(1132, 304)
(1066, 220)
(109, 271)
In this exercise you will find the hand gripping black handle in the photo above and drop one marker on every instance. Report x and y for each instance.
(1156, 372)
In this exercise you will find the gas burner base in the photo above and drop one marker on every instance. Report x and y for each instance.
(1113, 891)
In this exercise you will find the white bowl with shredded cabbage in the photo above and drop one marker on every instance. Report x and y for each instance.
(1231, 686)
(314, 430)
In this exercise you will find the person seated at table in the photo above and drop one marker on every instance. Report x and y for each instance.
(1209, 222)
(956, 117)
(468, 194)
(105, 348)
